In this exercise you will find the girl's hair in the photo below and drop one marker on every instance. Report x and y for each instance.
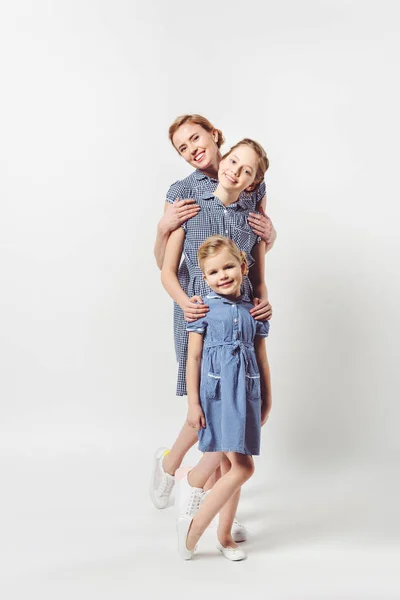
(263, 162)
(196, 120)
(214, 244)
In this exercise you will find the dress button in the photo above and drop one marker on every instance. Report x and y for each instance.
(226, 231)
(235, 320)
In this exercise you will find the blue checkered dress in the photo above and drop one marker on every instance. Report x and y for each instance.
(213, 218)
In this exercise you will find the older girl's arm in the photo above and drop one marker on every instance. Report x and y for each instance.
(262, 310)
(192, 308)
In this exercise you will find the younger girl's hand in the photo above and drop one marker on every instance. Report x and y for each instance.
(265, 410)
(195, 417)
(177, 213)
(262, 310)
(194, 308)
(261, 224)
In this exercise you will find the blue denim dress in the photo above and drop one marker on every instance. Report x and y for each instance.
(230, 393)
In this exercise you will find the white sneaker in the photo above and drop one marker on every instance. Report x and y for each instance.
(161, 483)
(187, 499)
(182, 528)
(232, 553)
(238, 532)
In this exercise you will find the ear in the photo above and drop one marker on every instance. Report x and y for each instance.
(215, 135)
(244, 269)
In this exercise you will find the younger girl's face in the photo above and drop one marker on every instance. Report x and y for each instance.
(238, 170)
(196, 145)
(224, 273)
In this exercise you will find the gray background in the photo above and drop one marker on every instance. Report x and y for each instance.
(87, 361)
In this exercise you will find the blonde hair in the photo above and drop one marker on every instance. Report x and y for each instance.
(263, 162)
(213, 246)
(196, 120)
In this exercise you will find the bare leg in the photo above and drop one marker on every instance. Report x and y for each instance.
(214, 477)
(241, 470)
(186, 439)
(227, 512)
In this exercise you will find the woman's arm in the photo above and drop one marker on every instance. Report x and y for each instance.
(262, 225)
(174, 215)
(195, 416)
(262, 310)
(265, 377)
(169, 277)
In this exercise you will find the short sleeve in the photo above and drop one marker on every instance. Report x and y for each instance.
(198, 326)
(177, 190)
(262, 328)
(261, 191)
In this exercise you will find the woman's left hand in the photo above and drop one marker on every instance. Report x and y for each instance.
(261, 224)
(262, 310)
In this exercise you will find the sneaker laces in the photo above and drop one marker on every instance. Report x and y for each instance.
(194, 502)
(166, 486)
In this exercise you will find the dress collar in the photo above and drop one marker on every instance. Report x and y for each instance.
(244, 202)
(199, 176)
(242, 298)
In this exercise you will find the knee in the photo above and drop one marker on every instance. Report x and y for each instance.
(244, 471)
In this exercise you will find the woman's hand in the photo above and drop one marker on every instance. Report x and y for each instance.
(177, 213)
(261, 224)
(194, 308)
(262, 310)
(195, 417)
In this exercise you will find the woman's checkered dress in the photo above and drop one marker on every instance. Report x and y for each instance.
(213, 218)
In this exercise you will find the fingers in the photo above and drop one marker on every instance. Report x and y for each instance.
(203, 421)
(262, 311)
(188, 215)
(198, 299)
(179, 202)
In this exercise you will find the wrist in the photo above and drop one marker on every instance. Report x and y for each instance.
(163, 228)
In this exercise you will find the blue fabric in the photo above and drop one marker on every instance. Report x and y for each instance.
(213, 218)
(232, 222)
(230, 392)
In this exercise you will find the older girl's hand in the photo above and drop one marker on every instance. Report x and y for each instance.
(194, 308)
(261, 224)
(262, 310)
(177, 213)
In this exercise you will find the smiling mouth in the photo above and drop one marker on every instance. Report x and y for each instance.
(230, 178)
(199, 156)
(226, 284)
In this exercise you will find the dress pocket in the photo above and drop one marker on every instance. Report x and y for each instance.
(253, 388)
(213, 386)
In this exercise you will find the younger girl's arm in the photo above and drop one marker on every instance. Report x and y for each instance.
(195, 416)
(265, 377)
(169, 278)
(262, 310)
(174, 215)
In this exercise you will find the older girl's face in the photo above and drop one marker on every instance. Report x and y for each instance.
(197, 146)
(238, 170)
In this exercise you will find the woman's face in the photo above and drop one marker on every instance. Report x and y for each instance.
(197, 146)
(238, 170)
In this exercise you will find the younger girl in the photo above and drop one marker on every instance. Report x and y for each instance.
(229, 397)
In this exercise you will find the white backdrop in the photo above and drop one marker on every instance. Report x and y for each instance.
(87, 359)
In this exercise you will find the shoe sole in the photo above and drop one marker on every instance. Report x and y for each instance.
(182, 528)
(158, 454)
(230, 556)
